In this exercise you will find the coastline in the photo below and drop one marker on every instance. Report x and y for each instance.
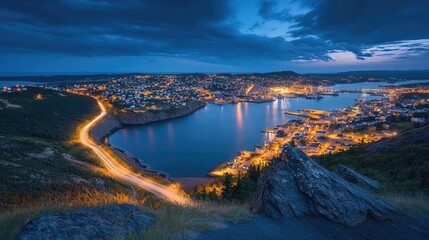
(220, 166)
(113, 123)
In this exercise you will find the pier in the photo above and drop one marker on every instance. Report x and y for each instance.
(314, 111)
(299, 114)
(306, 114)
(269, 130)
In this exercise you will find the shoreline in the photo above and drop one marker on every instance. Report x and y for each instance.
(125, 174)
(113, 123)
(110, 124)
(220, 166)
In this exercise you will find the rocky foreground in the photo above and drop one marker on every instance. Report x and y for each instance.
(88, 223)
(297, 186)
(298, 199)
(357, 179)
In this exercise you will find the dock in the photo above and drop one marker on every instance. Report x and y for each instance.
(269, 130)
(306, 114)
(314, 111)
(299, 114)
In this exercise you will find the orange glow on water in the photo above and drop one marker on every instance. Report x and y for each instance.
(239, 115)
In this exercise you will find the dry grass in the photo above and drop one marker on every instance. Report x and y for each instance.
(13, 220)
(410, 204)
(171, 221)
(178, 222)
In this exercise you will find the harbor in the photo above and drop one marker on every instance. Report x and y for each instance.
(162, 145)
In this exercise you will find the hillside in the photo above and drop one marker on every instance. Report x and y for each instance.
(42, 165)
(45, 169)
(400, 163)
(387, 74)
(64, 78)
(277, 74)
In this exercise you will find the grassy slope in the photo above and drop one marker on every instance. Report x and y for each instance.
(176, 222)
(54, 117)
(43, 166)
(400, 164)
(38, 177)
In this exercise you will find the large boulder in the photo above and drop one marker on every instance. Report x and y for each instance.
(296, 186)
(88, 223)
(357, 179)
(271, 198)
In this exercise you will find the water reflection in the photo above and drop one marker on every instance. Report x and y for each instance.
(150, 136)
(239, 116)
(193, 145)
(170, 133)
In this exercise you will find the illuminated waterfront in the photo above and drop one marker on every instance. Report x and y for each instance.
(193, 145)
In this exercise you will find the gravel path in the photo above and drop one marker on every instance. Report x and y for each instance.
(261, 227)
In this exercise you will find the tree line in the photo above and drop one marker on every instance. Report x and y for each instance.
(230, 187)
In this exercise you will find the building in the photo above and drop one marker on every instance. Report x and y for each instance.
(315, 146)
(259, 149)
(320, 133)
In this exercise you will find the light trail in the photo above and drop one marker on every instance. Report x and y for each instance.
(249, 88)
(126, 175)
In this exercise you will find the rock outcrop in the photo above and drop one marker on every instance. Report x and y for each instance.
(357, 179)
(108, 125)
(296, 186)
(142, 118)
(111, 123)
(278, 195)
(89, 223)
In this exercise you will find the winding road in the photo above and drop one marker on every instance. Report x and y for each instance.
(126, 175)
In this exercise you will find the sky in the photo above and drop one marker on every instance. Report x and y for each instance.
(174, 36)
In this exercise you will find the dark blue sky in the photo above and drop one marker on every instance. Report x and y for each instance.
(79, 36)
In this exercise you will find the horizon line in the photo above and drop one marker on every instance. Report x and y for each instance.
(52, 74)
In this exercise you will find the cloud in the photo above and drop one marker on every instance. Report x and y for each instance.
(357, 26)
(190, 28)
(208, 30)
(268, 10)
(365, 22)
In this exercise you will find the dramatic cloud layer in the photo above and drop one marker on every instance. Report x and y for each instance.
(211, 31)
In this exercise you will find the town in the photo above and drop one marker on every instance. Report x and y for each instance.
(314, 131)
(324, 132)
(140, 93)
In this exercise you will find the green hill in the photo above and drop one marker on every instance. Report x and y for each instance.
(400, 163)
(42, 165)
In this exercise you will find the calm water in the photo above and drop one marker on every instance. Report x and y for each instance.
(14, 83)
(372, 85)
(193, 145)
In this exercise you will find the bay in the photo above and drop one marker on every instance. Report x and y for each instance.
(193, 145)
